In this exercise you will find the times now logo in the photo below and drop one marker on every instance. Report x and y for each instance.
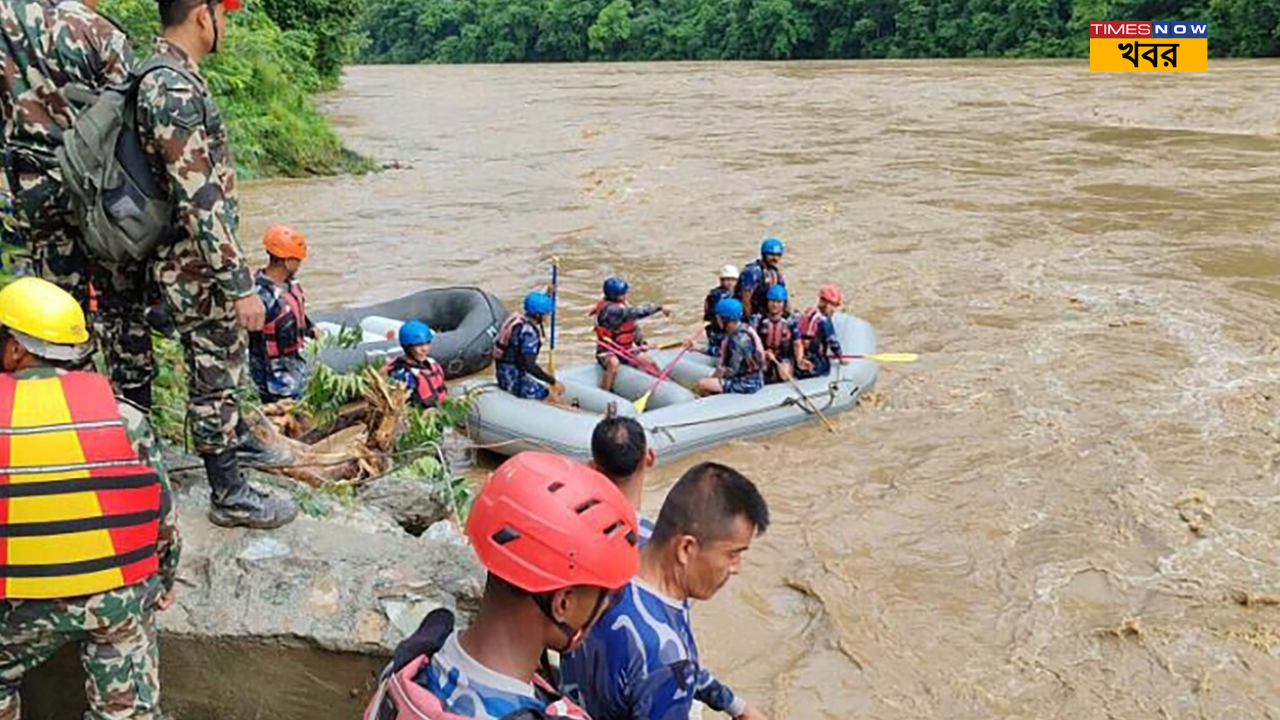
(1148, 29)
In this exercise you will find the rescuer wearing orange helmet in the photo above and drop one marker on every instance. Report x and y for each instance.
(275, 353)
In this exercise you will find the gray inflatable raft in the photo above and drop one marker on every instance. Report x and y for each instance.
(677, 421)
(465, 320)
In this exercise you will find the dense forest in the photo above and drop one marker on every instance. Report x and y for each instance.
(498, 31)
(278, 54)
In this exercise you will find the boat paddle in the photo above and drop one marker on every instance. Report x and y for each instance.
(637, 363)
(883, 357)
(643, 401)
(555, 281)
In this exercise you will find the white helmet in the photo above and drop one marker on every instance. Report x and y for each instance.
(729, 271)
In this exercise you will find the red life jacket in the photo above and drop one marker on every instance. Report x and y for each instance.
(809, 324)
(284, 333)
(430, 387)
(398, 697)
(79, 510)
(777, 334)
(625, 336)
(502, 343)
(755, 362)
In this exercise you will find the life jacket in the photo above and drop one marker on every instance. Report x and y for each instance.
(284, 332)
(429, 385)
(503, 350)
(760, 295)
(79, 511)
(777, 334)
(399, 697)
(754, 362)
(809, 325)
(625, 336)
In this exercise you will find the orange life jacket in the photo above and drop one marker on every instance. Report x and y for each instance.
(625, 336)
(777, 334)
(284, 332)
(809, 324)
(502, 343)
(429, 386)
(79, 511)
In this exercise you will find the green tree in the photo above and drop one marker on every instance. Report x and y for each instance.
(608, 36)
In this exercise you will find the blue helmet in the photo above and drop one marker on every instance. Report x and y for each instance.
(772, 246)
(538, 303)
(415, 332)
(729, 309)
(777, 292)
(615, 287)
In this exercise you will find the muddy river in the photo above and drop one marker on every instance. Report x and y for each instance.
(1070, 508)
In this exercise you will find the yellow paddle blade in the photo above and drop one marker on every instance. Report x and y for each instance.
(893, 357)
(551, 363)
(643, 401)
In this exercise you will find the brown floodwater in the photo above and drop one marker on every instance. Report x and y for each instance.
(1070, 508)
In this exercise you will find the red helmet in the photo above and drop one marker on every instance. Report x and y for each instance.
(831, 294)
(544, 523)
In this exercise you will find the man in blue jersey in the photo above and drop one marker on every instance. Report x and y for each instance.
(621, 452)
(640, 661)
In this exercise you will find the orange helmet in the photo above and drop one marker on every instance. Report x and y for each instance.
(831, 294)
(285, 243)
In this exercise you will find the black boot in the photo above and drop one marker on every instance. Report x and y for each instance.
(140, 396)
(253, 451)
(236, 503)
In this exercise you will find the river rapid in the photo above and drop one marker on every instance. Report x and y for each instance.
(1068, 509)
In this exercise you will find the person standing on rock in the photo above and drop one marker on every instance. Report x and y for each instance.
(557, 539)
(620, 450)
(640, 662)
(89, 538)
(203, 273)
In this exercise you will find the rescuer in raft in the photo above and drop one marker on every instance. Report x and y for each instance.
(818, 341)
(275, 353)
(88, 534)
(618, 337)
(741, 355)
(416, 369)
(777, 330)
(759, 276)
(558, 539)
(515, 352)
(715, 336)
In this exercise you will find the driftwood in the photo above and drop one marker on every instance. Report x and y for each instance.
(356, 446)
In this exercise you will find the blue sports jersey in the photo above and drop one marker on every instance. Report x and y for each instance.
(467, 688)
(640, 662)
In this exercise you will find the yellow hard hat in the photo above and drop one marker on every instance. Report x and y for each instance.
(46, 319)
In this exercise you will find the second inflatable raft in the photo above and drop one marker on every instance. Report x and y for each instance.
(676, 421)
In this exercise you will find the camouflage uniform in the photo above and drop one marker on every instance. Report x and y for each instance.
(79, 48)
(115, 629)
(203, 272)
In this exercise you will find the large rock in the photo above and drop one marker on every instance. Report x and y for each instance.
(353, 581)
(414, 503)
(290, 623)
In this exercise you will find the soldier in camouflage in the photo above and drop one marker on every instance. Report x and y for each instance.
(115, 629)
(203, 274)
(54, 55)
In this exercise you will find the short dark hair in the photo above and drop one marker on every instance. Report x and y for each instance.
(704, 503)
(175, 12)
(618, 447)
